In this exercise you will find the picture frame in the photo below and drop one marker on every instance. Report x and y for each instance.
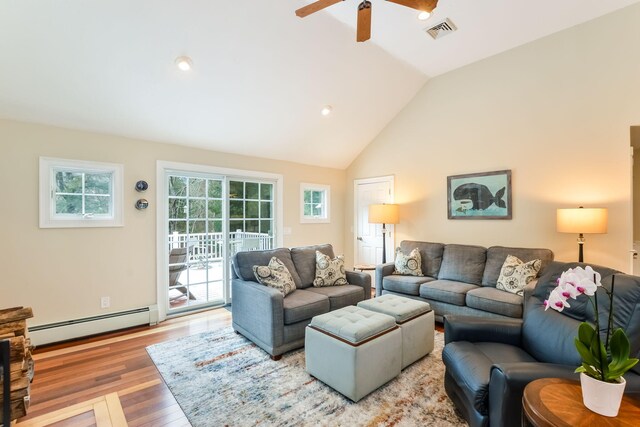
(484, 195)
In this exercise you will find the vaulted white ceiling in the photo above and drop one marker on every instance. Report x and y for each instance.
(261, 74)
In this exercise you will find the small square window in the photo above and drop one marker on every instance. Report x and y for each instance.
(76, 193)
(315, 203)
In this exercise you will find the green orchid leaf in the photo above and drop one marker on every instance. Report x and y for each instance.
(586, 333)
(598, 352)
(617, 373)
(584, 352)
(620, 347)
(590, 371)
(580, 369)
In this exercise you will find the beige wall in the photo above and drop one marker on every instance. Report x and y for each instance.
(62, 273)
(557, 112)
(635, 143)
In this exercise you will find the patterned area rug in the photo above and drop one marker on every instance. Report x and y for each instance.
(222, 379)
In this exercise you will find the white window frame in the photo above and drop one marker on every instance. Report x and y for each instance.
(48, 217)
(326, 216)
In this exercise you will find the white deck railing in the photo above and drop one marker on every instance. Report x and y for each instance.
(208, 247)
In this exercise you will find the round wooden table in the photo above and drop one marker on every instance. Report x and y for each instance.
(557, 402)
(364, 267)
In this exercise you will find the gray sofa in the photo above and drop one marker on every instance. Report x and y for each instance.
(459, 279)
(276, 323)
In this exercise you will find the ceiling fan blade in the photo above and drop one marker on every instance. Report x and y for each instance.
(424, 5)
(314, 7)
(364, 21)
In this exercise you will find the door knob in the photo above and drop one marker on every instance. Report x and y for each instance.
(361, 239)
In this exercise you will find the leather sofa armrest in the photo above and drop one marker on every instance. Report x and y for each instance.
(258, 309)
(360, 279)
(507, 384)
(381, 271)
(479, 329)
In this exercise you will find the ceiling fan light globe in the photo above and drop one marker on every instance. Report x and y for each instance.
(424, 15)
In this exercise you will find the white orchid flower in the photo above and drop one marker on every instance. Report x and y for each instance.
(556, 300)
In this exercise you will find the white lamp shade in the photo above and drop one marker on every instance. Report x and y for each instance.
(582, 220)
(384, 214)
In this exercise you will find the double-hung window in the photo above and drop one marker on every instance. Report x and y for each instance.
(77, 193)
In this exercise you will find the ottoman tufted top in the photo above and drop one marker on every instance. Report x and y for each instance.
(402, 309)
(353, 324)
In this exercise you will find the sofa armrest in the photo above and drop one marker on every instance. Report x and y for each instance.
(381, 271)
(360, 279)
(479, 329)
(507, 383)
(259, 310)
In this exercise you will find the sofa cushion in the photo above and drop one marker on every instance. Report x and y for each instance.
(463, 263)
(447, 291)
(243, 263)
(410, 264)
(275, 275)
(340, 296)
(496, 255)
(430, 255)
(515, 275)
(329, 272)
(495, 301)
(470, 364)
(304, 258)
(409, 285)
(302, 305)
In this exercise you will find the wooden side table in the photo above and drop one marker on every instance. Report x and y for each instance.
(557, 402)
(364, 267)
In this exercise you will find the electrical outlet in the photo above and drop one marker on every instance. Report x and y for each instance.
(105, 302)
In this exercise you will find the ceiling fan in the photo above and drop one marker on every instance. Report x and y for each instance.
(363, 32)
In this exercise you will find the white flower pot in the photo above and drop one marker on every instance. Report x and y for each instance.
(601, 397)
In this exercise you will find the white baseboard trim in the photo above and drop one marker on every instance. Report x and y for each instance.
(78, 328)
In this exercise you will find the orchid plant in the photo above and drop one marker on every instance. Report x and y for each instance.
(605, 361)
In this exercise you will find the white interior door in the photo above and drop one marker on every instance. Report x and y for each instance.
(368, 245)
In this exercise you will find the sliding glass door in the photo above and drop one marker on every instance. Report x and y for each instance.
(209, 218)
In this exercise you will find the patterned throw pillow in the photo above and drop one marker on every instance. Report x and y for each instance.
(275, 275)
(408, 264)
(515, 274)
(329, 272)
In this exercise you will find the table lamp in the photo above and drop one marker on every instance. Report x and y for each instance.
(582, 221)
(384, 214)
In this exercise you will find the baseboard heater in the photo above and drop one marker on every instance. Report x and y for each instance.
(78, 328)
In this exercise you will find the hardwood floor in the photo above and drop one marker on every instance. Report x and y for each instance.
(82, 383)
(103, 380)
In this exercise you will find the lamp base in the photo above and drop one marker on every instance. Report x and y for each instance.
(384, 246)
(581, 248)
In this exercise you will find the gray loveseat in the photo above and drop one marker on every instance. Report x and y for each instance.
(276, 323)
(459, 279)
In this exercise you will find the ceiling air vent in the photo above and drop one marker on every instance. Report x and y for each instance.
(441, 29)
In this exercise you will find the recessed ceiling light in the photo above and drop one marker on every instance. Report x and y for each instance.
(423, 16)
(184, 63)
(326, 110)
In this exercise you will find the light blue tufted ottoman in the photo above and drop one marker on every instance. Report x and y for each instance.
(353, 350)
(416, 321)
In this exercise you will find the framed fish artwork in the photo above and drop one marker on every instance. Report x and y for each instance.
(485, 195)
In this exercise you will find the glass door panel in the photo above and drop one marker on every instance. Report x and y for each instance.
(196, 259)
(250, 216)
